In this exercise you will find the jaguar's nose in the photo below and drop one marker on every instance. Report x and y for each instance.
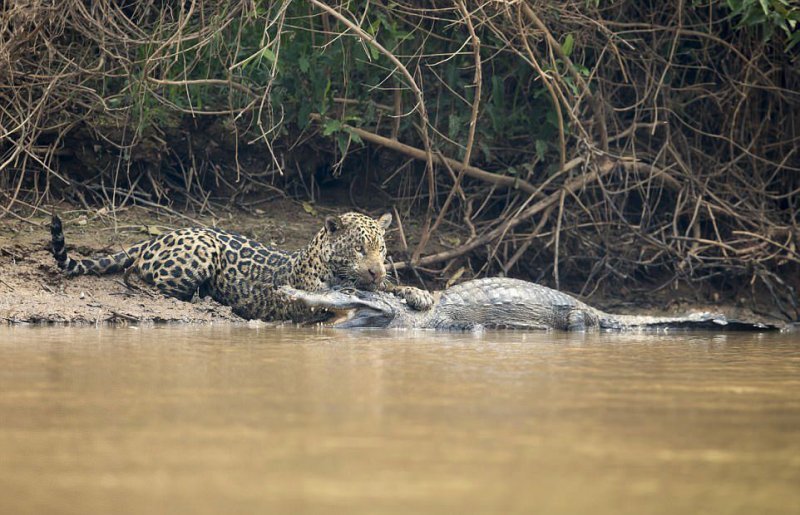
(376, 273)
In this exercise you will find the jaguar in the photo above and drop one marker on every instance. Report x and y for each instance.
(349, 250)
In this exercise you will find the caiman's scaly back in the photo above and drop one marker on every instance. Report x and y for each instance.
(498, 303)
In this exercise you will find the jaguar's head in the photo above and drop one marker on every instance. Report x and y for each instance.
(356, 250)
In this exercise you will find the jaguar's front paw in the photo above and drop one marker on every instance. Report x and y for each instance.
(417, 299)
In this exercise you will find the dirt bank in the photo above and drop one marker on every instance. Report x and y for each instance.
(32, 290)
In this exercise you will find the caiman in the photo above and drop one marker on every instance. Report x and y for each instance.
(496, 303)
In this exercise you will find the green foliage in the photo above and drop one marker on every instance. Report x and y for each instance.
(347, 80)
(307, 67)
(769, 16)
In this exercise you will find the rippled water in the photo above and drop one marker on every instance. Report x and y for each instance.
(245, 420)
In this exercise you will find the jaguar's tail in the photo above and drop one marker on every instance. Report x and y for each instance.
(99, 265)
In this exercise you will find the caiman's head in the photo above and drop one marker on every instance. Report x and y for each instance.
(354, 308)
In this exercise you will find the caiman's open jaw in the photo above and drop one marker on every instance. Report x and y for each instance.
(363, 317)
(360, 311)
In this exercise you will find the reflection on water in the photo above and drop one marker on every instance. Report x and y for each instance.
(244, 420)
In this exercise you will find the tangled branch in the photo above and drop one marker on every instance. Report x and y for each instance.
(635, 142)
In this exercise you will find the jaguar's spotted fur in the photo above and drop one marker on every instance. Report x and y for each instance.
(244, 274)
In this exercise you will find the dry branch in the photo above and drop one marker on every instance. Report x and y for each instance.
(525, 215)
(471, 171)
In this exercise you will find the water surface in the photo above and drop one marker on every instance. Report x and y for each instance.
(246, 420)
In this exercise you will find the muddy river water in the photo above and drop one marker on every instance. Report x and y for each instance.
(264, 420)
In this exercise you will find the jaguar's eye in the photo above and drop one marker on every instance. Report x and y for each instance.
(360, 249)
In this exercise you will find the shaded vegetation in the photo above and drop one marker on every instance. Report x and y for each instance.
(611, 143)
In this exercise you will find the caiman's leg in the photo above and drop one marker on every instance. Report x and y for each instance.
(576, 320)
(568, 318)
(416, 298)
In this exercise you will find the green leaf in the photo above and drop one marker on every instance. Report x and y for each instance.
(541, 149)
(372, 28)
(794, 41)
(268, 54)
(302, 114)
(374, 52)
(453, 126)
(571, 84)
(326, 100)
(304, 64)
(344, 141)
(331, 126)
(498, 94)
(736, 6)
(567, 46)
(355, 137)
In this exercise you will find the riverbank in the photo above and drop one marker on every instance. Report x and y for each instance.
(33, 291)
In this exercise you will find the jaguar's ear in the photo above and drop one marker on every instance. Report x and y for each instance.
(385, 221)
(333, 224)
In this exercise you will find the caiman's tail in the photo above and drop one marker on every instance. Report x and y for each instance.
(101, 265)
(690, 321)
